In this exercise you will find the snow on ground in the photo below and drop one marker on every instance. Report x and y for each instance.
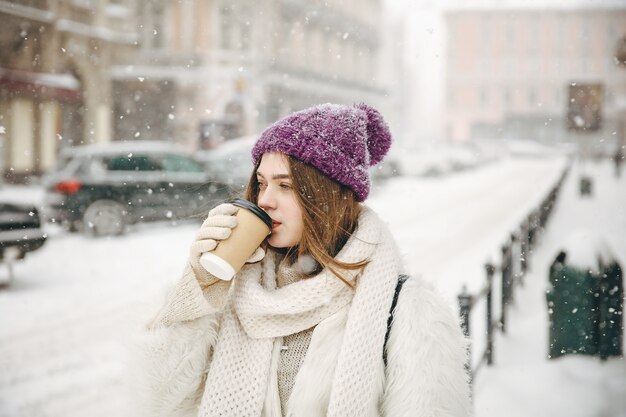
(524, 382)
(75, 303)
(68, 315)
(448, 227)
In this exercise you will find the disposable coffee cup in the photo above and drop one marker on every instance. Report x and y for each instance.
(253, 226)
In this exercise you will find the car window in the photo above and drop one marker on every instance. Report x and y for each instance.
(92, 166)
(180, 163)
(132, 163)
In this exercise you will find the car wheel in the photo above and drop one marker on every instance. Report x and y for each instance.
(105, 218)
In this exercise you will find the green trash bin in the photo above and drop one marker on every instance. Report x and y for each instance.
(585, 299)
(586, 186)
(573, 299)
(611, 308)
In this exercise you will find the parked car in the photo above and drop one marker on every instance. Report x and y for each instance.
(103, 188)
(20, 232)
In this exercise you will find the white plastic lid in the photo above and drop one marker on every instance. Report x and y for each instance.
(217, 266)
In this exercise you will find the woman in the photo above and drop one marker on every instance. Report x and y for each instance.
(317, 323)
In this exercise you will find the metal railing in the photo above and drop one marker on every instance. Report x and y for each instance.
(513, 266)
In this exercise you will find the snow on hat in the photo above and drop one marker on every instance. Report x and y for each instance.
(340, 141)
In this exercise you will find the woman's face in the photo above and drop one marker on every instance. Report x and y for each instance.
(278, 199)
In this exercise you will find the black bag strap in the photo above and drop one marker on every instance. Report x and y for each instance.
(401, 280)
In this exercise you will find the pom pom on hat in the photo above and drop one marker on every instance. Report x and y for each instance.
(340, 141)
(378, 135)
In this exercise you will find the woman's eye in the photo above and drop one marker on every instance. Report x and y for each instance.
(285, 186)
(262, 185)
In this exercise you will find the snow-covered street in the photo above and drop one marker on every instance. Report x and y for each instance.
(69, 316)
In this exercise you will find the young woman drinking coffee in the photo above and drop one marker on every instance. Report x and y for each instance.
(321, 321)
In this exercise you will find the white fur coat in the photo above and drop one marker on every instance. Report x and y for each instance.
(424, 376)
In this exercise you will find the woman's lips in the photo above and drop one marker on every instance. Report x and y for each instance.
(275, 224)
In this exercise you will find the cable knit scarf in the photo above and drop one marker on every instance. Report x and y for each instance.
(258, 312)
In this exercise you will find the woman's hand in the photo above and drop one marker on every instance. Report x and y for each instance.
(217, 226)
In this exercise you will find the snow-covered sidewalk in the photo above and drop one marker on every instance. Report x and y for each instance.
(523, 382)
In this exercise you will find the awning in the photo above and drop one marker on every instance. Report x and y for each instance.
(45, 84)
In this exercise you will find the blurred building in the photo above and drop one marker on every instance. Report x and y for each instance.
(55, 85)
(396, 76)
(510, 67)
(209, 70)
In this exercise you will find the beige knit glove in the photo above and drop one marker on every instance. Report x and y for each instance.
(217, 226)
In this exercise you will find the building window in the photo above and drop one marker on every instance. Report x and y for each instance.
(612, 34)
(83, 3)
(484, 64)
(235, 29)
(335, 54)
(451, 59)
(532, 96)
(349, 58)
(510, 32)
(557, 96)
(450, 33)
(585, 33)
(360, 73)
(246, 31)
(297, 50)
(367, 64)
(535, 27)
(560, 33)
(316, 51)
(226, 27)
(508, 65)
(186, 34)
(485, 23)
(483, 96)
(153, 30)
(611, 63)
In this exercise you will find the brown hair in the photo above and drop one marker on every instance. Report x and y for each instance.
(330, 214)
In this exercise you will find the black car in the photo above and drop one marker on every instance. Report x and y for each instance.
(20, 232)
(102, 188)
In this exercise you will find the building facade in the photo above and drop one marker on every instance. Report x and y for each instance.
(509, 70)
(209, 70)
(195, 72)
(55, 87)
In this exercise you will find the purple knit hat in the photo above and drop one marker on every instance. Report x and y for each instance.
(341, 141)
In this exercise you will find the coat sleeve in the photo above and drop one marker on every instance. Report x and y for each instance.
(426, 353)
(172, 353)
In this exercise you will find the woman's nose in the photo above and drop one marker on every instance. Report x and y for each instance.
(266, 199)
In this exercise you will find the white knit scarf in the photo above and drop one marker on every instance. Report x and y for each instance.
(258, 312)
